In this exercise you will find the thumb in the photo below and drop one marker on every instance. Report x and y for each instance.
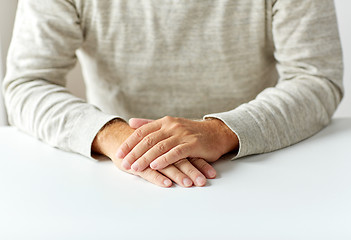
(138, 122)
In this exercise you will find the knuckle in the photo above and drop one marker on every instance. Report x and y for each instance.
(139, 133)
(161, 147)
(181, 162)
(192, 172)
(187, 131)
(199, 162)
(148, 141)
(167, 118)
(203, 165)
(157, 178)
(177, 125)
(163, 160)
(186, 136)
(195, 140)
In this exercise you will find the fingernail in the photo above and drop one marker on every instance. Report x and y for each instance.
(135, 166)
(211, 173)
(153, 165)
(125, 165)
(119, 154)
(187, 182)
(200, 181)
(167, 182)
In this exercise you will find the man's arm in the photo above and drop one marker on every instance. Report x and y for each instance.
(46, 35)
(309, 61)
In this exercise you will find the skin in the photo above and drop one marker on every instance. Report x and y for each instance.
(163, 142)
(185, 172)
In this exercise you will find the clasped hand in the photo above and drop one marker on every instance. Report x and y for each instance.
(168, 140)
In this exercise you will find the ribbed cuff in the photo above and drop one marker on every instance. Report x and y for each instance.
(85, 129)
(242, 123)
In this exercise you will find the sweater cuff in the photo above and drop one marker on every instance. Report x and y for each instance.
(241, 122)
(85, 130)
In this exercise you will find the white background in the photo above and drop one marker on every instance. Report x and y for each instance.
(76, 85)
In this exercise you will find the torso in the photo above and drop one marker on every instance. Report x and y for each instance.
(183, 58)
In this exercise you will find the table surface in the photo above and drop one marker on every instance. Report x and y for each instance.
(300, 192)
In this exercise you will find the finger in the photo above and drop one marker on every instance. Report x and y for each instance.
(159, 149)
(191, 171)
(136, 137)
(178, 152)
(155, 177)
(204, 167)
(148, 174)
(139, 157)
(138, 122)
(177, 176)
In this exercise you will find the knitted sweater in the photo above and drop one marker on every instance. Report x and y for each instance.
(271, 70)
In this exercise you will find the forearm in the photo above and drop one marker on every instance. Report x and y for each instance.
(278, 117)
(53, 115)
(34, 88)
(309, 62)
(110, 137)
(225, 139)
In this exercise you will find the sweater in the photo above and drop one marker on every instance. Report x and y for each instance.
(270, 70)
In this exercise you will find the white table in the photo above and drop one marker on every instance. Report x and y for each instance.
(301, 192)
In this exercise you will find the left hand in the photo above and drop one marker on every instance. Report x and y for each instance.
(167, 140)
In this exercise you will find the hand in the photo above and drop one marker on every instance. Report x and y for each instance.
(184, 173)
(165, 141)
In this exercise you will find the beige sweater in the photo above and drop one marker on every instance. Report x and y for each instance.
(271, 70)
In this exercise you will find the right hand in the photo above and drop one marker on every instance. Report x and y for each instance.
(184, 172)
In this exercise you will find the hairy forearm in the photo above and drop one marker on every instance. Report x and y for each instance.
(110, 137)
(227, 139)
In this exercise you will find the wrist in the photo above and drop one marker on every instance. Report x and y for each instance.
(110, 137)
(226, 139)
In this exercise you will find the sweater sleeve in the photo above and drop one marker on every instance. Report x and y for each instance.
(309, 62)
(46, 35)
